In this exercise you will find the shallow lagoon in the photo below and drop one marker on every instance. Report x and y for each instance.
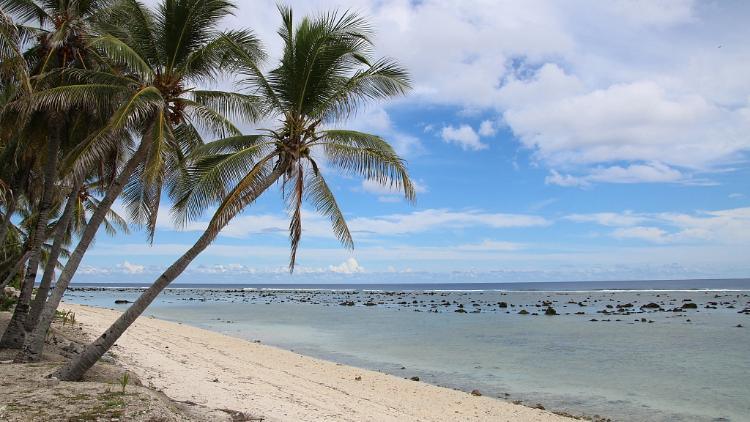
(680, 364)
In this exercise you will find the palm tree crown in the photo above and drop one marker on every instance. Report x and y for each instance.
(325, 73)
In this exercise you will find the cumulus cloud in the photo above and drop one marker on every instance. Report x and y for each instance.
(598, 91)
(350, 266)
(463, 136)
(487, 128)
(129, 268)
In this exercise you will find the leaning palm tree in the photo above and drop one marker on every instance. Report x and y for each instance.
(61, 43)
(157, 57)
(324, 74)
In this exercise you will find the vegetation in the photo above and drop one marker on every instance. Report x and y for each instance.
(105, 99)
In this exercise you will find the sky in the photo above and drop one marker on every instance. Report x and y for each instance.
(549, 141)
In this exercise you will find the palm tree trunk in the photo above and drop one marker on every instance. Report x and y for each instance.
(13, 271)
(32, 347)
(10, 208)
(14, 334)
(49, 270)
(77, 367)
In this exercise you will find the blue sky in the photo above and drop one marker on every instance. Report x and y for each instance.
(549, 141)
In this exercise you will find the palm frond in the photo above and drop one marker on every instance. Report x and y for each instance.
(367, 156)
(321, 197)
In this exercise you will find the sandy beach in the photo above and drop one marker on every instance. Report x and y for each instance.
(218, 371)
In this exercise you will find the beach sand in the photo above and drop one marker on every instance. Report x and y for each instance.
(218, 371)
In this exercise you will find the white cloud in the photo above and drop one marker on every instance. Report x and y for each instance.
(350, 266)
(736, 195)
(129, 268)
(610, 219)
(487, 128)
(730, 226)
(635, 173)
(463, 136)
(315, 225)
(432, 219)
(651, 234)
(588, 86)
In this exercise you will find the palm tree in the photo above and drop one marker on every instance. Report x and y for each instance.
(157, 57)
(79, 204)
(324, 74)
(64, 27)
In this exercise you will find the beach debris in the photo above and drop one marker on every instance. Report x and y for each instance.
(476, 393)
(358, 378)
(238, 416)
(11, 292)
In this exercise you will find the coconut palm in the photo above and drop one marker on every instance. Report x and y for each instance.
(64, 27)
(158, 57)
(324, 74)
(80, 203)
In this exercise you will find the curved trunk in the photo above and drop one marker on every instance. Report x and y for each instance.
(49, 270)
(15, 334)
(32, 347)
(76, 368)
(9, 210)
(13, 271)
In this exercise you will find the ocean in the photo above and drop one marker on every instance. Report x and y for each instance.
(630, 351)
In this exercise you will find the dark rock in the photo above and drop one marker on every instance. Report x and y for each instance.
(347, 303)
(122, 301)
(550, 311)
(523, 312)
(476, 393)
(651, 305)
(690, 305)
(502, 304)
(414, 378)
(460, 311)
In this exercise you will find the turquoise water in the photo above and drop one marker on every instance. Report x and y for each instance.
(683, 365)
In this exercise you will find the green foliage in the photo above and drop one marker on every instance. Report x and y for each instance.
(325, 74)
(66, 317)
(7, 303)
(124, 381)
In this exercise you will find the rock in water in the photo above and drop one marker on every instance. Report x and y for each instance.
(476, 393)
(550, 311)
(122, 301)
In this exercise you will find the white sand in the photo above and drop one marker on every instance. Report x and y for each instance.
(281, 385)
